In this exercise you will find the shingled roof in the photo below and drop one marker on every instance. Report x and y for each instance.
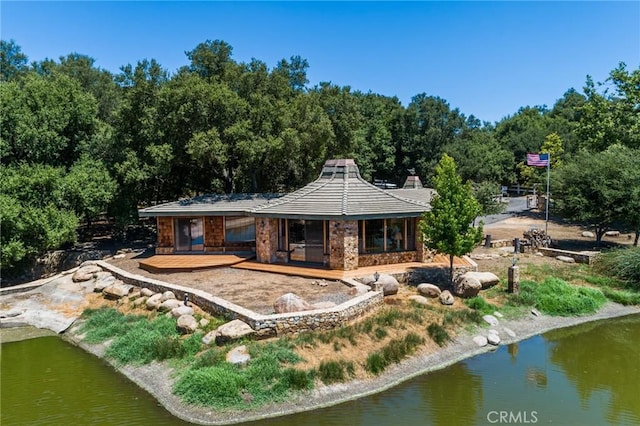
(341, 193)
(212, 204)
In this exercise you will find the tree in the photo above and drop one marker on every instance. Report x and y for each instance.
(485, 192)
(600, 189)
(448, 227)
(12, 61)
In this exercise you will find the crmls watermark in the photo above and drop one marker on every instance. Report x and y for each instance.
(512, 417)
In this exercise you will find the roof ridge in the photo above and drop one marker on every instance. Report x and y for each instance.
(397, 197)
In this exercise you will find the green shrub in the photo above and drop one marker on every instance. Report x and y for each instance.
(438, 334)
(380, 333)
(479, 304)
(376, 363)
(624, 297)
(335, 371)
(146, 341)
(297, 379)
(217, 387)
(556, 297)
(209, 358)
(621, 263)
(393, 352)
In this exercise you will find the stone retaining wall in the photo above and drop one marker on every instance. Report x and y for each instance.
(265, 325)
(579, 257)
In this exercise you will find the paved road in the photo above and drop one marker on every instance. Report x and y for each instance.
(515, 206)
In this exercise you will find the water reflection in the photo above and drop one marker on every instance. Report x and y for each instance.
(603, 365)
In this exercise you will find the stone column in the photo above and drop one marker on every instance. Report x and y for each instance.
(343, 244)
(513, 279)
(266, 239)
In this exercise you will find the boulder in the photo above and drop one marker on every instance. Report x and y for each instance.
(491, 320)
(291, 303)
(239, 355)
(187, 324)
(103, 280)
(359, 290)
(147, 292)
(509, 332)
(480, 341)
(231, 331)
(388, 283)
(85, 273)
(117, 290)
(420, 300)
(120, 256)
(588, 234)
(612, 233)
(181, 310)
(486, 279)
(154, 301)
(209, 338)
(169, 304)
(429, 290)
(493, 339)
(168, 295)
(203, 322)
(566, 259)
(446, 298)
(367, 280)
(466, 286)
(140, 301)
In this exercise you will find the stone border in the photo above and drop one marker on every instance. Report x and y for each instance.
(264, 325)
(579, 257)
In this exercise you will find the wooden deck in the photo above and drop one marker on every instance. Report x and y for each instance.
(189, 262)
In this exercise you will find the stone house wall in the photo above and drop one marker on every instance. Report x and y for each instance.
(266, 240)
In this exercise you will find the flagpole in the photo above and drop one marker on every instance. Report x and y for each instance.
(546, 219)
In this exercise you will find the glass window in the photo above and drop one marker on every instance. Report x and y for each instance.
(239, 229)
(374, 236)
(395, 234)
(282, 234)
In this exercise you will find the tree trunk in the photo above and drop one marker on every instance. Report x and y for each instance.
(635, 241)
(451, 270)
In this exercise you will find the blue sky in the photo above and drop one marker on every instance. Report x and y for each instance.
(485, 58)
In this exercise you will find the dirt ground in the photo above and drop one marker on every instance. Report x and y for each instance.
(251, 289)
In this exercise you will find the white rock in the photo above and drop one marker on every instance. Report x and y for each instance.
(535, 312)
(612, 233)
(486, 279)
(491, 320)
(446, 298)
(167, 295)
(421, 300)
(498, 314)
(588, 234)
(480, 341)
(233, 330)
(120, 256)
(509, 332)
(187, 324)
(429, 290)
(169, 304)
(566, 259)
(154, 301)
(239, 355)
(493, 339)
(181, 310)
(147, 292)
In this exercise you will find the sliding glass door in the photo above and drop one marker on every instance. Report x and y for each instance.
(306, 240)
(189, 235)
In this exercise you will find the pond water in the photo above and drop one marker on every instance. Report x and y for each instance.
(587, 375)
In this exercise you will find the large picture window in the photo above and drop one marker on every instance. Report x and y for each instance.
(386, 235)
(239, 229)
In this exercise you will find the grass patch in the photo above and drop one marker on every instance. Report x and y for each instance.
(462, 316)
(393, 352)
(624, 297)
(335, 371)
(438, 334)
(479, 304)
(268, 377)
(105, 323)
(555, 296)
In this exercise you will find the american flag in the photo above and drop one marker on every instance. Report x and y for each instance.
(538, 160)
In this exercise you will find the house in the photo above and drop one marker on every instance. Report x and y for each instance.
(339, 221)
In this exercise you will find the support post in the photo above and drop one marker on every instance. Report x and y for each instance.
(513, 279)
